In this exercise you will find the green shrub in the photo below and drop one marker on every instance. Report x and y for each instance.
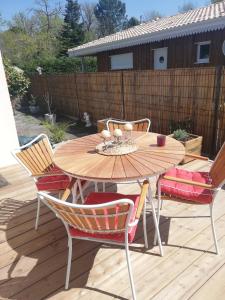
(18, 83)
(61, 65)
(56, 131)
(181, 135)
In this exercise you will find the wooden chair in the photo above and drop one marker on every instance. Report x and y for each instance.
(139, 125)
(194, 187)
(36, 158)
(105, 217)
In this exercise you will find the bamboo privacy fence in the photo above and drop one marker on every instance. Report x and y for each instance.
(170, 96)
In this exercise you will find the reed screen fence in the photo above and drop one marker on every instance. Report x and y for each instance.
(170, 98)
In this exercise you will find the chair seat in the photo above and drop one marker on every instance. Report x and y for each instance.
(100, 198)
(186, 191)
(53, 183)
(54, 170)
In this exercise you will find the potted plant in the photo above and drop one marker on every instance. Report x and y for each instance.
(50, 116)
(33, 106)
(57, 131)
(192, 143)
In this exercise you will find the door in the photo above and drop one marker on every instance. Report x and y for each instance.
(160, 58)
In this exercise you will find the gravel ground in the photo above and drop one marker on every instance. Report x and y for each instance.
(31, 125)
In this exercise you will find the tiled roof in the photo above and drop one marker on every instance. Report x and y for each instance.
(202, 19)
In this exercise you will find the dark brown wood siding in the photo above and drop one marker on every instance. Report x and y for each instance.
(182, 52)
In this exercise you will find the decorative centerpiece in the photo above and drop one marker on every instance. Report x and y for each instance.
(119, 144)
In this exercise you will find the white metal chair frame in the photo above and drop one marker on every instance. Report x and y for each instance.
(45, 197)
(215, 190)
(121, 122)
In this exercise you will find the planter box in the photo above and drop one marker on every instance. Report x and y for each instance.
(101, 124)
(193, 146)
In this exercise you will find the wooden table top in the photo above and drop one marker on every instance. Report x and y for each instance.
(79, 158)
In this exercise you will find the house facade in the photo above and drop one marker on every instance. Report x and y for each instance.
(183, 52)
(195, 38)
(7, 123)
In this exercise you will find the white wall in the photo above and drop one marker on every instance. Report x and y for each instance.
(8, 134)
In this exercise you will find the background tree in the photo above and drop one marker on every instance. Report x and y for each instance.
(152, 15)
(47, 13)
(111, 15)
(186, 7)
(72, 34)
(27, 38)
(89, 21)
(131, 23)
(2, 22)
(216, 1)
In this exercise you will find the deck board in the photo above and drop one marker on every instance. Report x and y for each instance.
(32, 264)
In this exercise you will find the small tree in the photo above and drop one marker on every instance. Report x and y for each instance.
(216, 1)
(18, 83)
(131, 23)
(72, 33)
(186, 7)
(152, 15)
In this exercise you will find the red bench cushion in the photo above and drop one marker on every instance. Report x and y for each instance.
(99, 198)
(186, 191)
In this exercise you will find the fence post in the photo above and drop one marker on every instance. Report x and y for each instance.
(216, 100)
(78, 105)
(123, 100)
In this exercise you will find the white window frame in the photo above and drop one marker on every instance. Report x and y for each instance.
(125, 61)
(202, 60)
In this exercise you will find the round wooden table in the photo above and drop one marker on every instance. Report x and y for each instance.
(79, 159)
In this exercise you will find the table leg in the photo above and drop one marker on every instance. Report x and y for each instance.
(74, 192)
(145, 226)
(150, 198)
(80, 190)
(159, 207)
(96, 187)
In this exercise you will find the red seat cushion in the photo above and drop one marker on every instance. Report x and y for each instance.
(54, 170)
(186, 191)
(53, 183)
(99, 198)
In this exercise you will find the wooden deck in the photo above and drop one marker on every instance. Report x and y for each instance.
(32, 264)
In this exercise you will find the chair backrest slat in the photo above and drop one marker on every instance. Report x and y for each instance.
(36, 156)
(110, 217)
(217, 171)
(139, 125)
(107, 219)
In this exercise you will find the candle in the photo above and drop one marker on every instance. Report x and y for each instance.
(161, 140)
(128, 127)
(117, 133)
(105, 134)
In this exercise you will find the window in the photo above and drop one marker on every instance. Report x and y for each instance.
(122, 61)
(203, 49)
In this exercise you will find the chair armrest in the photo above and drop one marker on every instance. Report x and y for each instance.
(68, 190)
(190, 182)
(196, 156)
(144, 192)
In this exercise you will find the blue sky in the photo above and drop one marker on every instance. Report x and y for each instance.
(134, 7)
